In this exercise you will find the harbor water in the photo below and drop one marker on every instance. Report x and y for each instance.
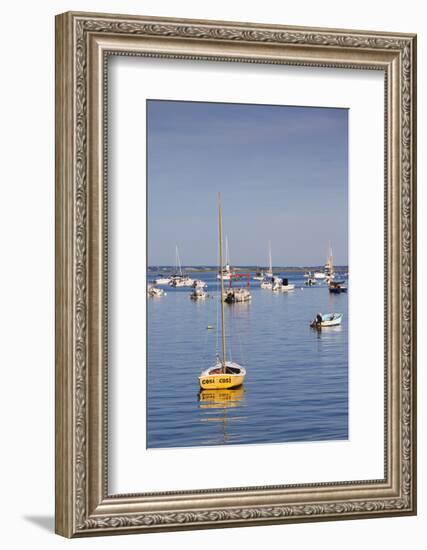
(296, 387)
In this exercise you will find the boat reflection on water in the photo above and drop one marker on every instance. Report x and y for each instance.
(219, 407)
(221, 399)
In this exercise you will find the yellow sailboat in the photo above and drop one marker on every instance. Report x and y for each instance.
(223, 374)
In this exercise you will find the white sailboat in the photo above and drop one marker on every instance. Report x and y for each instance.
(268, 281)
(224, 373)
(329, 266)
(179, 279)
(328, 272)
(162, 280)
(259, 275)
(269, 273)
(226, 270)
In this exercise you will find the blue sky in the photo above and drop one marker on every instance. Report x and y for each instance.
(282, 173)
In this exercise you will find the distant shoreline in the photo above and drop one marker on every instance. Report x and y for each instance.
(210, 269)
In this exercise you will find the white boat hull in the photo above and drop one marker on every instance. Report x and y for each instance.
(162, 281)
(266, 285)
(283, 288)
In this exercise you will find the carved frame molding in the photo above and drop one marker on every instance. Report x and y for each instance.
(83, 43)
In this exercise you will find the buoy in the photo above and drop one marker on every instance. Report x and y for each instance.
(209, 327)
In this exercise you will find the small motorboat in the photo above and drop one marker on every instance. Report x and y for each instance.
(155, 292)
(270, 282)
(198, 283)
(336, 287)
(233, 295)
(198, 293)
(323, 320)
(282, 285)
(267, 284)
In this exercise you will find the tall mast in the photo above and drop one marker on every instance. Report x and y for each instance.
(269, 256)
(227, 259)
(329, 259)
(178, 262)
(222, 283)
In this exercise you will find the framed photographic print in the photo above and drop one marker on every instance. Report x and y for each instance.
(235, 274)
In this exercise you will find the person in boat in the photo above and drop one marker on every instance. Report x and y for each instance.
(318, 319)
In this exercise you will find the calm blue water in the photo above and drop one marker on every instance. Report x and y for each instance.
(296, 387)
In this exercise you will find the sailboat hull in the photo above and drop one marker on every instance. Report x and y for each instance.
(210, 379)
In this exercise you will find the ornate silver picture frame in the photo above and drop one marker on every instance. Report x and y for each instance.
(84, 505)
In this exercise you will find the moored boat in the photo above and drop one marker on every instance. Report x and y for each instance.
(198, 294)
(337, 287)
(162, 280)
(179, 278)
(269, 274)
(227, 270)
(282, 285)
(259, 276)
(198, 283)
(223, 374)
(329, 266)
(267, 284)
(323, 320)
(240, 294)
(155, 292)
(234, 295)
(177, 281)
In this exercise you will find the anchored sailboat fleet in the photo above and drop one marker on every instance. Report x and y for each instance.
(224, 373)
(267, 283)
